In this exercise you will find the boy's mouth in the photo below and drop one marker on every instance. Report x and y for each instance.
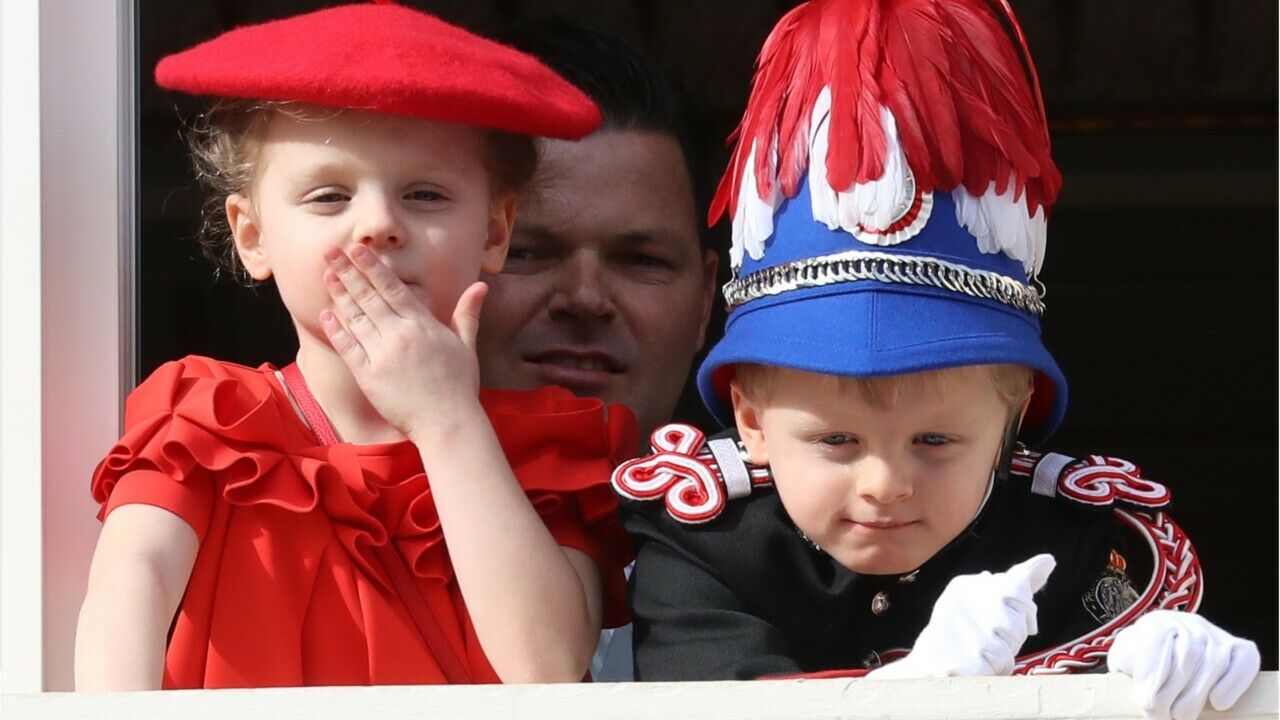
(881, 524)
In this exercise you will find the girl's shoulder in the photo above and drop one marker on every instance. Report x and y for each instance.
(551, 422)
(203, 385)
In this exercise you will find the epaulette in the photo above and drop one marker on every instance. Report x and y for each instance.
(694, 475)
(1096, 480)
(1138, 505)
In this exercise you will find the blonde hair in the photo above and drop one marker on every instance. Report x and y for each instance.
(226, 149)
(1011, 382)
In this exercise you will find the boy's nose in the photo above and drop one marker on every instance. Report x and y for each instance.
(882, 482)
(378, 225)
(582, 289)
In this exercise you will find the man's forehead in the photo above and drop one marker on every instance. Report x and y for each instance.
(622, 185)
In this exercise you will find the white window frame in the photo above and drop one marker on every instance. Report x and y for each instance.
(66, 320)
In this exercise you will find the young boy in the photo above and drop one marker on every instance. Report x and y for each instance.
(874, 508)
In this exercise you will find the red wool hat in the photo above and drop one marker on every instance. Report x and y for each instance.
(383, 57)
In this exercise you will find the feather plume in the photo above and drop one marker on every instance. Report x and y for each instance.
(867, 96)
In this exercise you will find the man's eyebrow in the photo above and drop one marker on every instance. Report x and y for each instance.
(656, 234)
(536, 231)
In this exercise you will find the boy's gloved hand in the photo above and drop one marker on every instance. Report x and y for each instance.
(978, 624)
(1179, 660)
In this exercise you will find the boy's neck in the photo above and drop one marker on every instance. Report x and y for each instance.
(331, 383)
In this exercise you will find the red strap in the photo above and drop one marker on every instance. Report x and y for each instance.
(397, 571)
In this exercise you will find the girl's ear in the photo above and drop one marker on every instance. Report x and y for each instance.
(247, 233)
(746, 416)
(502, 217)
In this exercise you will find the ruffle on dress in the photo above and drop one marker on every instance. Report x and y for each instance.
(199, 427)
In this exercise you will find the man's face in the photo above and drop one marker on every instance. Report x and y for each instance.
(606, 290)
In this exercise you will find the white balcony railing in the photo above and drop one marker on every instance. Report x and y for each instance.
(1046, 698)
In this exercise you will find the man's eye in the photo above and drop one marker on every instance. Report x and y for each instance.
(933, 439)
(519, 254)
(646, 261)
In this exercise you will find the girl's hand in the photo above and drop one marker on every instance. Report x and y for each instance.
(417, 372)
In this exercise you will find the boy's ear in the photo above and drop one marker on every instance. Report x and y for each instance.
(746, 416)
(246, 231)
(502, 217)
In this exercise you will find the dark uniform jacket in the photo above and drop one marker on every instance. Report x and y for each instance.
(746, 595)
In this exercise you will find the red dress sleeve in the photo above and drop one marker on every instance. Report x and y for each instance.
(182, 425)
(562, 450)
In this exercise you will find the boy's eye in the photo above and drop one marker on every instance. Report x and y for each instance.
(933, 439)
(835, 440)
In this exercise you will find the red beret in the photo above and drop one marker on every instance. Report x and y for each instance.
(385, 58)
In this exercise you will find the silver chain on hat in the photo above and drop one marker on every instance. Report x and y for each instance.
(855, 265)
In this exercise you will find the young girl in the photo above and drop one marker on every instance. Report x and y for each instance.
(366, 515)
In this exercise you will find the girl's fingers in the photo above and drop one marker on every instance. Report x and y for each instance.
(367, 297)
(343, 342)
(352, 316)
(392, 289)
(466, 316)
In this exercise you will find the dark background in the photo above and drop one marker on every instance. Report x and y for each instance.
(1162, 261)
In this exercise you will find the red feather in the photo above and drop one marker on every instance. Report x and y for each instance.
(964, 94)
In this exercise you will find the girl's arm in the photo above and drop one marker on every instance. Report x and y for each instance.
(138, 575)
(536, 606)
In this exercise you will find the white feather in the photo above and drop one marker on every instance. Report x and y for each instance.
(753, 217)
(875, 204)
(1002, 224)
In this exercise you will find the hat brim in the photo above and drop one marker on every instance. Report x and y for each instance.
(871, 329)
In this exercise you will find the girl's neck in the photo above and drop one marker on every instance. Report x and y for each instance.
(331, 383)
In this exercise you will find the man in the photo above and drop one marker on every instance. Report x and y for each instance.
(607, 287)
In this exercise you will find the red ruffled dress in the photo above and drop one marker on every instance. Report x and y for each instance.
(287, 589)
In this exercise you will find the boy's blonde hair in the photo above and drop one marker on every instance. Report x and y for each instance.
(1011, 382)
(226, 146)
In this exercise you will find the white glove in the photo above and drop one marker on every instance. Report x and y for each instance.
(978, 624)
(1178, 660)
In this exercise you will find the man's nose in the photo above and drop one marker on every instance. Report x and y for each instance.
(377, 222)
(882, 481)
(583, 288)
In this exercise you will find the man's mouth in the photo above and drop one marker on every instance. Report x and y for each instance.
(588, 370)
(592, 360)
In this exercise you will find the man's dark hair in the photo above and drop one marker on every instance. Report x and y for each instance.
(631, 90)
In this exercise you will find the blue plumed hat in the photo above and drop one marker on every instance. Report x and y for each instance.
(888, 193)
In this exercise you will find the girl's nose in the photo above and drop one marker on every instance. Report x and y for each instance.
(378, 224)
(881, 481)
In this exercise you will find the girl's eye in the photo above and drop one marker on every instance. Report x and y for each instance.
(328, 197)
(424, 196)
(933, 439)
(835, 440)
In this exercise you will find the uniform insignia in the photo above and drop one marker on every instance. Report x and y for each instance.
(1138, 504)
(693, 475)
(1112, 594)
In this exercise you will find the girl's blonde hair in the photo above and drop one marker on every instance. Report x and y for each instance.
(1011, 382)
(226, 149)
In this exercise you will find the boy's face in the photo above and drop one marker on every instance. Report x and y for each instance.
(880, 489)
(416, 192)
